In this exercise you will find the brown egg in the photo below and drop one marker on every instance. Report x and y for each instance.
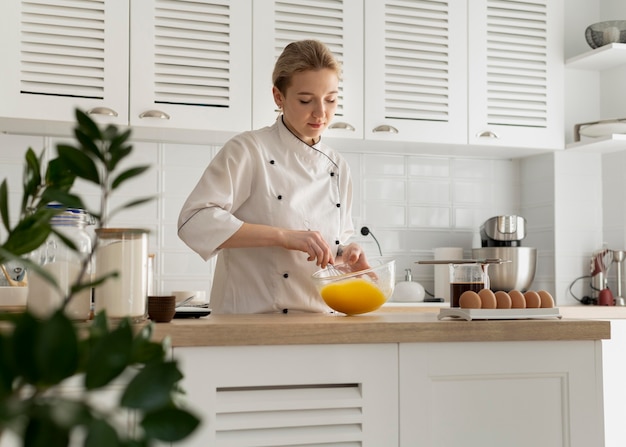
(546, 299)
(487, 299)
(533, 300)
(517, 299)
(503, 300)
(470, 300)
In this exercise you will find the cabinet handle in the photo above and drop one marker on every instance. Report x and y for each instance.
(102, 111)
(154, 114)
(487, 134)
(342, 126)
(385, 128)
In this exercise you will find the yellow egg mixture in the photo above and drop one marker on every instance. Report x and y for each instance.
(352, 297)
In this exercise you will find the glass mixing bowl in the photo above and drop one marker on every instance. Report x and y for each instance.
(356, 292)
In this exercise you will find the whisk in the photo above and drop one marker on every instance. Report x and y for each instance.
(333, 271)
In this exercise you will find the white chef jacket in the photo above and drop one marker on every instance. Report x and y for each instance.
(271, 177)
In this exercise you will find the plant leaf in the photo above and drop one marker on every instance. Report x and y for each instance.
(128, 174)
(41, 431)
(4, 204)
(56, 349)
(151, 388)
(79, 163)
(87, 125)
(25, 337)
(101, 434)
(169, 424)
(109, 357)
(7, 372)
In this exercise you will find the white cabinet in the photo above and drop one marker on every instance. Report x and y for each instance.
(485, 72)
(292, 395)
(186, 71)
(189, 64)
(337, 24)
(502, 393)
(416, 71)
(60, 55)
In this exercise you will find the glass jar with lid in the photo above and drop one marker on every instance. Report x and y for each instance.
(64, 265)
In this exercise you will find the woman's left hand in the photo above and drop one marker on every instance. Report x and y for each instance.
(354, 256)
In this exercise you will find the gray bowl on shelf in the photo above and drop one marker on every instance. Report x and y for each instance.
(604, 33)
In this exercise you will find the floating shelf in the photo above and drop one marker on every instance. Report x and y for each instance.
(602, 58)
(603, 145)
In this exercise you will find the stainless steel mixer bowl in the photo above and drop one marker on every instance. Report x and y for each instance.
(515, 275)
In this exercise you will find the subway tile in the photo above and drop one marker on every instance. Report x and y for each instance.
(383, 164)
(385, 190)
(428, 167)
(384, 215)
(429, 191)
(429, 217)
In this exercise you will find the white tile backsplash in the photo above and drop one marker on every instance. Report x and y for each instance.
(411, 204)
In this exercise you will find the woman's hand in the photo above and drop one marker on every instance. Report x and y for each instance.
(354, 256)
(312, 243)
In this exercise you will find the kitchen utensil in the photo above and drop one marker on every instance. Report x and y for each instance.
(600, 263)
(602, 128)
(503, 231)
(604, 33)
(467, 276)
(517, 273)
(442, 271)
(618, 258)
(355, 292)
(465, 261)
(161, 309)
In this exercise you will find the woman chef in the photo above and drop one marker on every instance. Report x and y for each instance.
(275, 203)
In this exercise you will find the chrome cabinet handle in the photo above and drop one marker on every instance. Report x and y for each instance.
(342, 126)
(487, 134)
(102, 111)
(154, 114)
(385, 128)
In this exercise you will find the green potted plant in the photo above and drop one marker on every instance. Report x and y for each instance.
(38, 357)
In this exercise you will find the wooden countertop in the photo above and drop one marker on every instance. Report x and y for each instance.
(396, 324)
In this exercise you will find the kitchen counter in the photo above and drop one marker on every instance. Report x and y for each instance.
(390, 324)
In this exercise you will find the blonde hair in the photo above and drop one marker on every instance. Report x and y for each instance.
(301, 56)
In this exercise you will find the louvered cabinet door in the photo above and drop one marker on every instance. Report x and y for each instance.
(516, 73)
(334, 395)
(338, 24)
(416, 71)
(59, 55)
(190, 65)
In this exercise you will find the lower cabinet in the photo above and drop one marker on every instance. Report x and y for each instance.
(293, 395)
(540, 394)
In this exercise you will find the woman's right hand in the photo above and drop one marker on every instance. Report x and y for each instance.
(312, 243)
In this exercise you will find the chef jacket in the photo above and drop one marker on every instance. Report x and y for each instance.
(267, 176)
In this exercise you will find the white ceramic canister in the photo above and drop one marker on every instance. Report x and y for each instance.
(64, 265)
(125, 251)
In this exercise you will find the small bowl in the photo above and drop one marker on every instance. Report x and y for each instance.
(161, 309)
(13, 296)
(357, 292)
(604, 33)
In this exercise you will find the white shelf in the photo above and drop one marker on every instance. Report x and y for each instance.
(603, 58)
(609, 143)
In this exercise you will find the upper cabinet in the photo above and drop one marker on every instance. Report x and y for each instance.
(339, 25)
(431, 72)
(185, 71)
(189, 64)
(416, 71)
(61, 55)
(516, 73)
(485, 72)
